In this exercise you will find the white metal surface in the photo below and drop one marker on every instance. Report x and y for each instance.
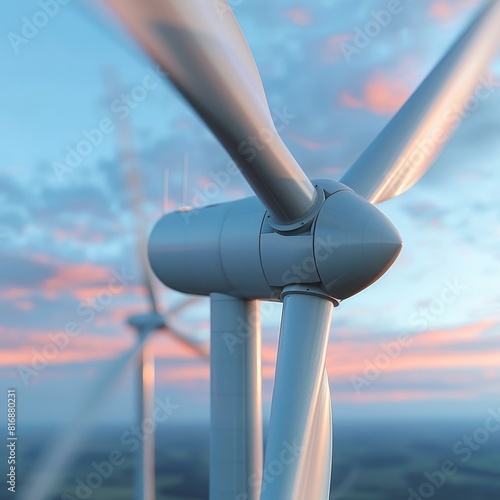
(236, 442)
(295, 423)
(316, 474)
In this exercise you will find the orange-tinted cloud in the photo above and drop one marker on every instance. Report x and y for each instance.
(445, 10)
(311, 144)
(15, 293)
(84, 280)
(448, 356)
(80, 349)
(431, 351)
(299, 17)
(348, 100)
(78, 234)
(428, 354)
(24, 305)
(170, 374)
(380, 95)
(464, 334)
(73, 274)
(330, 49)
(371, 396)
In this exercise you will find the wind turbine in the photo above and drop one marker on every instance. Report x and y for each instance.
(153, 320)
(243, 251)
(55, 461)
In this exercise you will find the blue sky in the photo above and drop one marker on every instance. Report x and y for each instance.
(62, 237)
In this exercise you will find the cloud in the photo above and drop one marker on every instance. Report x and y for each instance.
(446, 10)
(183, 374)
(381, 95)
(299, 17)
(330, 50)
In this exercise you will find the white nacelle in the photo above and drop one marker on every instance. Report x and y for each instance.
(231, 248)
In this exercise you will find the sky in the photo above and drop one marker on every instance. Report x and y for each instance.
(423, 340)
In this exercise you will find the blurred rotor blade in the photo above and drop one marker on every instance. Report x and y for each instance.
(413, 139)
(192, 345)
(135, 191)
(57, 459)
(297, 424)
(174, 311)
(200, 46)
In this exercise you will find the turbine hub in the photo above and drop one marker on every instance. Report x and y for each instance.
(151, 321)
(354, 244)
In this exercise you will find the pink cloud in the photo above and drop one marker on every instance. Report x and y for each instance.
(380, 95)
(183, 374)
(78, 234)
(348, 100)
(370, 396)
(24, 305)
(15, 293)
(446, 10)
(330, 49)
(311, 144)
(68, 275)
(299, 17)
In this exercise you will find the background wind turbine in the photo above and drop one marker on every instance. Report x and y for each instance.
(239, 252)
(58, 457)
(153, 320)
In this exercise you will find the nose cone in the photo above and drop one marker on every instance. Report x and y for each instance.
(354, 244)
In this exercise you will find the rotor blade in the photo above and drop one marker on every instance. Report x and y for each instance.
(413, 139)
(134, 186)
(206, 56)
(177, 309)
(318, 465)
(57, 459)
(300, 370)
(192, 345)
(182, 337)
